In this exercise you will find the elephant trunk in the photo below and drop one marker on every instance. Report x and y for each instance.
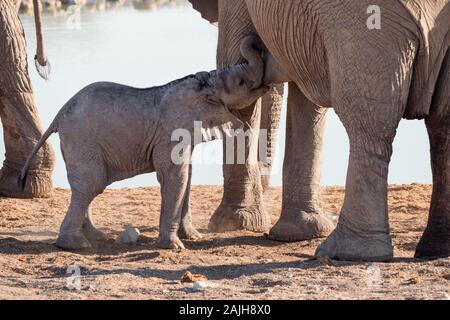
(42, 64)
(252, 48)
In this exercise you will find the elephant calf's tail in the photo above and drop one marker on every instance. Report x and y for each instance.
(23, 174)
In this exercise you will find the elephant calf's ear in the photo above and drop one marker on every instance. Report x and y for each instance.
(209, 9)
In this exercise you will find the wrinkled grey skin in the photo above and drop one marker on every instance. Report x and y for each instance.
(242, 207)
(111, 132)
(372, 79)
(21, 123)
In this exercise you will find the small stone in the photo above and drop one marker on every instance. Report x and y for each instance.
(414, 280)
(129, 235)
(189, 277)
(203, 285)
(444, 296)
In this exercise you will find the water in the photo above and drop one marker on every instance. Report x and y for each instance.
(151, 47)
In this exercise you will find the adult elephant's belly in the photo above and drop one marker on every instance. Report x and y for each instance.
(294, 40)
(432, 20)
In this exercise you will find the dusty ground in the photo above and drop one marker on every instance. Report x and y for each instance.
(242, 265)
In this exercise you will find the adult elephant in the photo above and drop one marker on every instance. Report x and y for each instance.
(242, 206)
(22, 127)
(372, 77)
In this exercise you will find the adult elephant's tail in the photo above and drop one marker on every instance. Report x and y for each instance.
(42, 64)
(23, 174)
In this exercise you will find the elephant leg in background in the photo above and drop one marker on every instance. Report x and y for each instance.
(435, 241)
(270, 121)
(21, 131)
(242, 202)
(187, 230)
(302, 216)
(370, 108)
(22, 127)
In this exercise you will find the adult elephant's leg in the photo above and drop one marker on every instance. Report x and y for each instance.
(21, 131)
(242, 204)
(302, 216)
(270, 122)
(22, 127)
(362, 232)
(435, 241)
(370, 107)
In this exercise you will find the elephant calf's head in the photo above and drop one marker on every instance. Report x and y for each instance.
(239, 86)
(208, 97)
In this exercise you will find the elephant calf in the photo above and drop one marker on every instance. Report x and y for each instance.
(111, 132)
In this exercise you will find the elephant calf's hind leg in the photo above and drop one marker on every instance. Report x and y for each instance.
(90, 231)
(71, 236)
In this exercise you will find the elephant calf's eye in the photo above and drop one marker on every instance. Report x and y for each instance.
(242, 82)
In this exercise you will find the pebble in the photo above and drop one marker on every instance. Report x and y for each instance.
(202, 285)
(444, 296)
(129, 235)
(192, 278)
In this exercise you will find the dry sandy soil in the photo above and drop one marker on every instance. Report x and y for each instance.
(241, 265)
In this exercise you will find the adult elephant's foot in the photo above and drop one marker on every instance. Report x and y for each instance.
(231, 218)
(433, 246)
(346, 244)
(300, 225)
(188, 232)
(170, 242)
(38, 183)
(72, 241)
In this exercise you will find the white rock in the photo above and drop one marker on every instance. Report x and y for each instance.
(202, 285)
(129, 235)
(444, 296)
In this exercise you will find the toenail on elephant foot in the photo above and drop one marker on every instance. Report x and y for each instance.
(170, 242)
(231, 218)
(189, 233)
(73, 241)
(301, 226)
(38, 184)
(433, 247)
(346, 244)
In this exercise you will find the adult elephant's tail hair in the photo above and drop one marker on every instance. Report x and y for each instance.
(43, 66)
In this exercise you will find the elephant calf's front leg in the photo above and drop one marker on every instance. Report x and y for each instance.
(174, 181)
(187, 230)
